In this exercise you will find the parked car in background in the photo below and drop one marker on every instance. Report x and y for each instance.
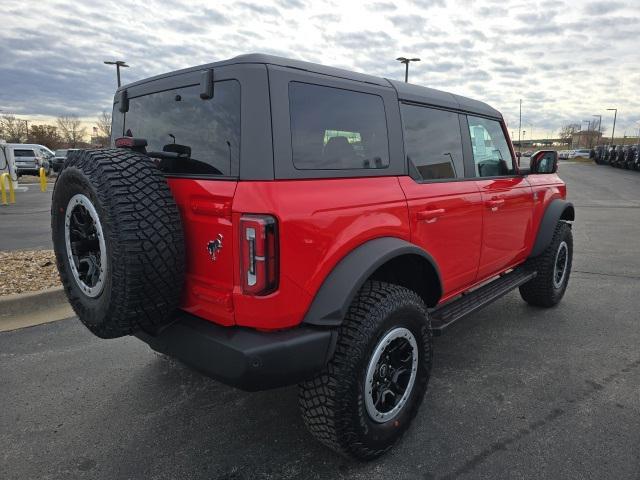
(563, 154)
(528, 153)
(59, 158)
(582, 152)
(29, 158)
(44, 153)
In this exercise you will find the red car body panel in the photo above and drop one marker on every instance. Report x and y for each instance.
(507, 225)
(205, 207)
(474, 229)
(320, 222)
(446, 221)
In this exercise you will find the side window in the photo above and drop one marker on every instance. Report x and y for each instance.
(23, 153)
(190, 135)
(491, 152)
(432, 142)
(333, 128)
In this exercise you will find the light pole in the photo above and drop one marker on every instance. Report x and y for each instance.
(406, 62)
(615, 114)
(26, 126)
(520, 129)
(599, 117)
(118, 64)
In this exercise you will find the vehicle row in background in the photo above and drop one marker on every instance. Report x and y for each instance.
(620, 156)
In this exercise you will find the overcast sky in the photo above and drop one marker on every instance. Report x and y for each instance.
(567, 60)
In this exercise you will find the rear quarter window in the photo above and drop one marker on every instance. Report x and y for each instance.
(337, 129)
(23, 153)
(190, 135)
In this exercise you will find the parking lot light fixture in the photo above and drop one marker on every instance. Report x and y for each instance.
(615, 114)
(598, 136)
(406, 62)
(118, 64)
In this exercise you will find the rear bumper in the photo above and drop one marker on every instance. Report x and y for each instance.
(245, 358)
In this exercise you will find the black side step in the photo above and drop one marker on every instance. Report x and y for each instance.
(446, 315)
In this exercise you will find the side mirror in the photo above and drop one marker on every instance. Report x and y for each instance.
(544, 161)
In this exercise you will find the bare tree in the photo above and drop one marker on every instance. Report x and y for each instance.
(104, 124)
(103, 128)
(567, 131)
(46, 135)
(12, 129)
(70, 130)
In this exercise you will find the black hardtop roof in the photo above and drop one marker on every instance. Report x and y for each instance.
(406, 91)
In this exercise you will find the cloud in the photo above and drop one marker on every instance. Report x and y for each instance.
(493, 11)
(259, 9)
(411, 24)
(492, 50)
(382, 7)
(291, 3)
(602, 8)
(362, 41)
(426, 4)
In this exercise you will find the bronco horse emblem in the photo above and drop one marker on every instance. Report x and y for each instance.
(214, 246)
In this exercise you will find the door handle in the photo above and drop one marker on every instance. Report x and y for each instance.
(495, 204)
(431, 216)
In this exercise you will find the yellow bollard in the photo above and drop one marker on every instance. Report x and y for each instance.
(43, 180)
(3, 189)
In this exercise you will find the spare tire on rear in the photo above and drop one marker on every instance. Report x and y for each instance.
(118, 241)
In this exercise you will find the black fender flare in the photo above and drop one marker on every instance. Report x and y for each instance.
(331, 302)
(557, 210)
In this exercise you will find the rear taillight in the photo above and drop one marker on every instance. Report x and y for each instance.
(258, 254)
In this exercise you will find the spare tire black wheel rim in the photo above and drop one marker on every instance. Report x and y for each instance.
(391, 374)
(560, 265)
(86, 249)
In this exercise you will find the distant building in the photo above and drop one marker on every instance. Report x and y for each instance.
(585, 139)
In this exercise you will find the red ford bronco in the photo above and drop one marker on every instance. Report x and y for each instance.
(272, 222)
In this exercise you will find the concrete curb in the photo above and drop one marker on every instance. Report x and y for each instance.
(33, 308)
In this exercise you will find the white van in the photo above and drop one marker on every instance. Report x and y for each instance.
(7, 164)
(29, 157)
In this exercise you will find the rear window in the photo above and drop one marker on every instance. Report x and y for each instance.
(23, 153)
(188, 134)
(336, 129)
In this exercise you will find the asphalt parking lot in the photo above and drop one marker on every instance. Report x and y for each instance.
(26, 225)
(516, 392)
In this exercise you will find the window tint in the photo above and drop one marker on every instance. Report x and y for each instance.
(190, 135)
(24, 153)
(333, 128)
(117, 124)
(491, 152)
(433, 143)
